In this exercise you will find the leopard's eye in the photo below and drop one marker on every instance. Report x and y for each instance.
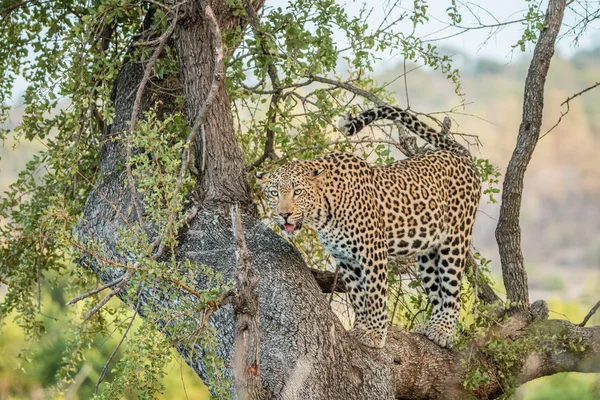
(297, 191)
(274, 193)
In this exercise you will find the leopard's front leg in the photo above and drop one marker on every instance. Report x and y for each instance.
(365, 278)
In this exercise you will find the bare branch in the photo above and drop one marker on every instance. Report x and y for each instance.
(109, 296)
(407, 142)
(562, 114)
(96, 290)
(114, 352)
(590, 314)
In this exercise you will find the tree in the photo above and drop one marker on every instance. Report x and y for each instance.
(147, 187)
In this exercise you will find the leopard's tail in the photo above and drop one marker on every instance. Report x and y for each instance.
(352, 125)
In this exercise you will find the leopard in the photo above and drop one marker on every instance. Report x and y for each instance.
(368, 215)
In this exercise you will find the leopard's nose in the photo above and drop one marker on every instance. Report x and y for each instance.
(285, 215)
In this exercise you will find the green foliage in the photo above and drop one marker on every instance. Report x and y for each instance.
(508, 355)
(474, 377)
(70, 53)
(489, 174)
(534, 23)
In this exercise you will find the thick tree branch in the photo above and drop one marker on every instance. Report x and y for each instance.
(508, 231)
(223, 180)
(327, 281)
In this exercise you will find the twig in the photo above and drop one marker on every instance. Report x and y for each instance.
(109, 296)
(406, 86)
(269, 151)
(407, 143)
(38, 273)
(112, 355)
(590, 314)
(96, 290)
(11, 8)
(562, 114)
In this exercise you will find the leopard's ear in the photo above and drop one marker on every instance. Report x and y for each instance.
(262, 178)
(319, 173)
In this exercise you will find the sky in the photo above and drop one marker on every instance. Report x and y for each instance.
(472, 43)
(487, 12)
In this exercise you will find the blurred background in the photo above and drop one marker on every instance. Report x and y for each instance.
(560, 217)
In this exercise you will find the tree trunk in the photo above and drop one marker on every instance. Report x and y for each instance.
(508, 231)
(305, 353)
(222, 173)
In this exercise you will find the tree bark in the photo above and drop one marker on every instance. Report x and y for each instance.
(222, 174)
(508, 231)
(305, 352)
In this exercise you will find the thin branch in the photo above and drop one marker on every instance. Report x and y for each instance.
(96, 290)
(562, 114)
(114, 352)
(406, 85)
(590, 314)
(7, 10)
(407, 143)
(109, 296)
(134, 117)
(269, 151)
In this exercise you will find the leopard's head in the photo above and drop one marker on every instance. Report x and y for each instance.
(294, 194)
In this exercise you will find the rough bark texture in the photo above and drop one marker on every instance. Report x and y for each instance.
(305, 353)
(219, 160)
(508, 231)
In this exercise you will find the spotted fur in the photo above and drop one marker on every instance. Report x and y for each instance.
(366, 215)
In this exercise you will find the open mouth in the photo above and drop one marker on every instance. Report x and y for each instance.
(291, 228)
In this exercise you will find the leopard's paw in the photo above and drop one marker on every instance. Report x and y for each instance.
(440, 336)
(421, 329)
(374, 339)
